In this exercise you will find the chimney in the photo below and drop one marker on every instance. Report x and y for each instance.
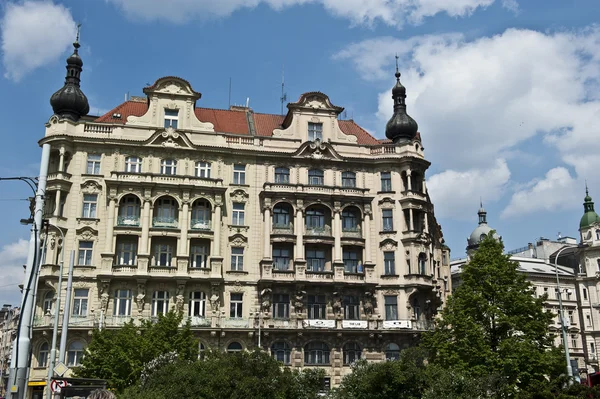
(530, 246)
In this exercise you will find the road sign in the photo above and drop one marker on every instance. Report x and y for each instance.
(61, 369)
(57, 385)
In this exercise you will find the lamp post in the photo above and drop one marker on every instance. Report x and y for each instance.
(56, 314)
(562, 316)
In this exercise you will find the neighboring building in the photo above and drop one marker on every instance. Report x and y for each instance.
(302, 226)
(9, 321)
(542, 275)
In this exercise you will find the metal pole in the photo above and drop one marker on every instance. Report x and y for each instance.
(56, 314)
(562, 317)
(67, 311)
(22, 348)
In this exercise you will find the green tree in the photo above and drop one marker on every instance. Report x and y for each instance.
(404, 378)
(243, 375)
(119, 355)
(493, 326)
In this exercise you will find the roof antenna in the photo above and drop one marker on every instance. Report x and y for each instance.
(397, 70)
(77, 37)
(586, 188)
(283, 97)
(229, 92)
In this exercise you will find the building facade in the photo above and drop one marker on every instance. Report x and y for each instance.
(9, 321)
(301, 233)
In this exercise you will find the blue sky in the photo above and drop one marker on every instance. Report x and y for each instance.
(505, 91)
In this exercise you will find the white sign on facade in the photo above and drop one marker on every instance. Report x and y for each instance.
(319, 323)
(397, 324)
(354, 324)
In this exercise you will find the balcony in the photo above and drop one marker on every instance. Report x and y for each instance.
(165, 179)
(200, 224)
(165, 222)
(116, 321)
(324, 231)
(352, 232)
(64, 176)
(234, 323)
(124, 269)
(199, 271)
(282, 229)
(128, 221)
(197, 321)
(314, 189)
(74, 321)
(164, 270)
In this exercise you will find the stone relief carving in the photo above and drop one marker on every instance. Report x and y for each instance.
(238, 240)
(265, 297)
(87, 234)
(179, 298)
(215, 299)
(237, 287)
(336, 303)
(141, 295)
(388, 244)
(387, 203)
(91, 187)
(239, 195)
(299, 301)
(104, 295)
(369, 303)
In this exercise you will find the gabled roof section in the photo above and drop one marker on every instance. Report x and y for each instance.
(313, 100)
(316, 150)
(172, 85)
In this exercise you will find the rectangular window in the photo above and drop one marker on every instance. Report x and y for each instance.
(281, 258)
(315, 260)
(351, 307)
(163, 255)
(388, 219)
(80, 302)
(93, 164)
(90, 204)
(282, 175)
(171, 118)
(237, 258)
(573, 341)
(203, 169)
(584, 293)
(235, 305)
(315, 131)
(199, 256)
(122, 303)
(168, 167)
(571, 319)
(133, 164)
(237, 216)
(588, 320)
(239, 174)
(317, 307)
(351, 261)
(281, 306)
(386, 181)
(85, 253)
(126, 253)
(389, 263)
(592, 347)
(316, 177)
(348, 179)
(391, 307)
(160, 303)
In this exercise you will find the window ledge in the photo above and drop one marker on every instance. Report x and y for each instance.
(388, 232)
(390, 275)
(319, 272)
(85, 266)
(92, 175)
(239, 185)
(236, 271)
(386, 192)
(291, 271)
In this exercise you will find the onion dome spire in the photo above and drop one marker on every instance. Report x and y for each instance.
(69, 101)
(589, 214)
(482, 213)
(401, 127)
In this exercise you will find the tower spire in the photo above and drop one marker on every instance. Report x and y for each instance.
(401, 127)
(482, 213)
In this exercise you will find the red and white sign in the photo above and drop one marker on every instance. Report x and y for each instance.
(57, 385)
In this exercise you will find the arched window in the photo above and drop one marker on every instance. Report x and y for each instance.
(197, 305)
(201, 215)
(234, 347)
(282, 175)
(201, 351)
(392, 352)
(133, 164)
(165, 212)
(416, 309)
(282, 215)
(129, 211)
(282, 352)
(352, 353)
(43, 355)
(48, 302)
(316, 353)
(160, 302)
(422, 263)
(316, 177)
(598, 234)
(168, 167)
(348, 179)
(75, 353)
(350, 220)
(315, 218)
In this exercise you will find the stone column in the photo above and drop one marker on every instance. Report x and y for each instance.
(110, 225)
(267, 233)
(185, 225)
(425, 223)
(408, 182)
(367, 236)
(61, 160)
(411, 220)
(57, 203)
(146, 223)
(217, 231)
(299, 233)
(337, 234)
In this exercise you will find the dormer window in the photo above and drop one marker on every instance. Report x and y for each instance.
(315, 131)
(171, 118)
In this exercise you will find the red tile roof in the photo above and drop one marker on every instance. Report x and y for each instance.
(234, 121)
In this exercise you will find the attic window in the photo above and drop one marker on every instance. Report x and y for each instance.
(315, 131)
(171, 118)
(116, 116)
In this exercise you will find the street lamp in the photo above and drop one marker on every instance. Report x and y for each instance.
(56, 314)
(562, 316)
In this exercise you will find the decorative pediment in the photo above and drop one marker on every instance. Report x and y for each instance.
(315, 100)
(87, 233)
(387, 203)
(388, 244)
(91, 187)
(170, 138)
(172, 85)
(317, 150)
(238, 240)
(239, 195)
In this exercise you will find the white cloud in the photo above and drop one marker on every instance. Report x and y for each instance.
(477, 100)
(456, 193)
(34, 33)
(558, 190)
(390, 12)
(14, 256)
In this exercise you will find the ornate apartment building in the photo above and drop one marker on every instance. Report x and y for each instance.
(302, 233)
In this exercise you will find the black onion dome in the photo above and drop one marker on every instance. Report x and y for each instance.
(401, 127)
(69, 101)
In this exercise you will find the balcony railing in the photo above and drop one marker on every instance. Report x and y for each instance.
(283, 228)
(128, 221)
(197, 321)
(168, 222)
(318, 231)
(200, 224)
(234, 323)
(352, 231)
